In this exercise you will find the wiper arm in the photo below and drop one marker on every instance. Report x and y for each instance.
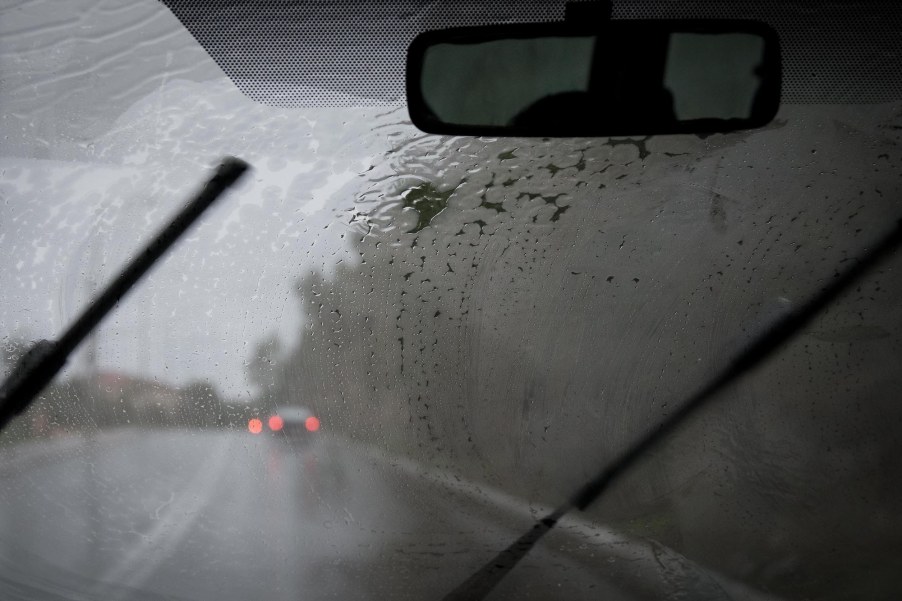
(486, 578)
(46, 358)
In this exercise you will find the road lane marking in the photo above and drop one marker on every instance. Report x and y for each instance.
(138, 563)
(582, 531)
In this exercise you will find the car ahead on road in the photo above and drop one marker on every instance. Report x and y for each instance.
(580, 324)
(295, 423)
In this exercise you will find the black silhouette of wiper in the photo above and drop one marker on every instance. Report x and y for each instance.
(486, 578)
(46, 358)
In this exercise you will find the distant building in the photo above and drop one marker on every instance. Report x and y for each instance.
(149, 401)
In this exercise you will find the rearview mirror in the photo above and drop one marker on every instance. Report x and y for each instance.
(625, 78)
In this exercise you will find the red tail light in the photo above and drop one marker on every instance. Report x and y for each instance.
(276, 423)
(312, 424)
(254, 425)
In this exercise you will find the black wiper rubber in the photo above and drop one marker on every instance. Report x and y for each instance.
(486, 578)
(46, 358)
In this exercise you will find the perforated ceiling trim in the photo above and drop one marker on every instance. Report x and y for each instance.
(351, 53)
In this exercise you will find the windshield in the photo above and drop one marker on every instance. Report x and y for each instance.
(384, 354)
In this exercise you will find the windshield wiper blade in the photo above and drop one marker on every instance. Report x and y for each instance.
(486, 578)
(46, 358)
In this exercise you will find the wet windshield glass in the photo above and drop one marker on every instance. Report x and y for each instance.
(384, 353)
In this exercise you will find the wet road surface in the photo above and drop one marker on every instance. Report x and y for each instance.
(226, 515)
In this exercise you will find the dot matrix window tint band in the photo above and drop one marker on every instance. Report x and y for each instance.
(344, 53)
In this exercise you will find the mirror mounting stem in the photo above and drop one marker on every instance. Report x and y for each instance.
(595, 11)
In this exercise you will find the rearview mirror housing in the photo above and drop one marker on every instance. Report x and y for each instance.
(624, 78)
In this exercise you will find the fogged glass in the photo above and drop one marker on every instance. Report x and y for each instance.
(476, 325)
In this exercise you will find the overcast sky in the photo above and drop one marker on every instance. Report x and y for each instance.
(111, 140)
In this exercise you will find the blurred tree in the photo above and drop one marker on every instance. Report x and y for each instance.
(13, 349)
(261, 367)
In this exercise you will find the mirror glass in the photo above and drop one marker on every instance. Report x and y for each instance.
(622, 81)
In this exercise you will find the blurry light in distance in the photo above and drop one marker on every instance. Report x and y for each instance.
(276, 423)
(255, 425)
(312, 424)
